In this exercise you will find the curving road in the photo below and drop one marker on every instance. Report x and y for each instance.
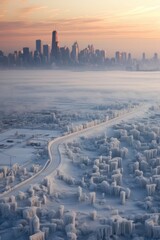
(54, 154)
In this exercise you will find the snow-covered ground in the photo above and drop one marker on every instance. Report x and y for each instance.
(19, 145)
(102, 179)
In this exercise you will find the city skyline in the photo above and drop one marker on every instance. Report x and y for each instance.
(62, 56)
(120, 25)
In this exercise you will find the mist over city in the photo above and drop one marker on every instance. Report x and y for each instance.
(79, 120)
(47, 57)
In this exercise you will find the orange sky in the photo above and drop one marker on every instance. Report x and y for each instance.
(125, 25)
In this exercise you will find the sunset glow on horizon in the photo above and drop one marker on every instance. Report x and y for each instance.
(132, 26)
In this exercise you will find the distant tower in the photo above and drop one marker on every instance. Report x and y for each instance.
(155, 56)
(118, 57)
(39, 46)
(26, 55)
(54, 38)
(129, 57)
(65, 55)
(26, 51)
(46, 53)
(75, 52)
(143, 57)
(55, 47)
(92, 49)
(124, 57)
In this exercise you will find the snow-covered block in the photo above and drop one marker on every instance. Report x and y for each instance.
(103, 232)
(70, 217)
(29, 212)
(152, 227)
(117, 178)
(105, 187)
(142, 181)
(71, 236)
(21, 195)
(5, 209)
(93, 215)
(92, 196)
(123, 197)
(37, 236)
(61, 211)
(46, 232)
(150, 189)
(70, 228)
(156, 232)
(113, 165)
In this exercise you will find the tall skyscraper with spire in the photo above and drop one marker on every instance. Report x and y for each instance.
(55, 47)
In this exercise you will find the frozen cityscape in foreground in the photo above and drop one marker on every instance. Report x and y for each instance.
(79, 155)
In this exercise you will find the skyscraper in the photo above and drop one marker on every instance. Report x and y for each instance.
(26, 55)
(117, 57)
(54, 38)
(123, 57)
(155, 56)
(143, 57)
(46, 53)
(55, 48)
(75, 52)
(65, 55)
(39, 46)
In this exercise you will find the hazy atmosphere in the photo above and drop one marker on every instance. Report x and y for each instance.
(25, 90)
(79, 120)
